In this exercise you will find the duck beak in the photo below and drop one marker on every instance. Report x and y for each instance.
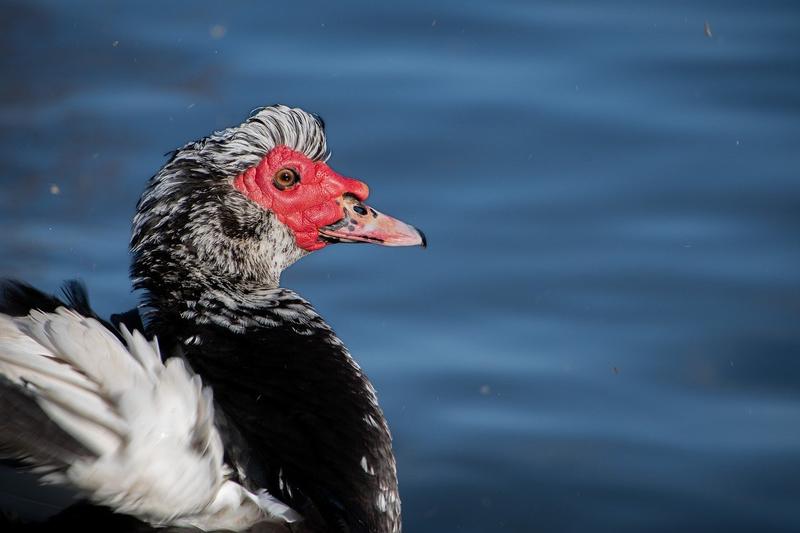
(362, 223)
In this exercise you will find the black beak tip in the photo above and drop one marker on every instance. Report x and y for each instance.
(424, 239)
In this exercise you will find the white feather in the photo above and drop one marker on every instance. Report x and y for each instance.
(150, 424)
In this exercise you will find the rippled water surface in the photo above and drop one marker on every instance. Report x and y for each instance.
(603, 334)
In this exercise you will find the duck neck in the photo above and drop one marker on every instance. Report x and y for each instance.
(234, 305)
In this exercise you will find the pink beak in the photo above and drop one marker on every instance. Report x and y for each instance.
(362, 223)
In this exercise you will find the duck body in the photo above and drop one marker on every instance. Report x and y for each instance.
(303, 398)
(225, 401)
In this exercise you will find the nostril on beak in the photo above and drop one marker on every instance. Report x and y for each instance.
(360, 209)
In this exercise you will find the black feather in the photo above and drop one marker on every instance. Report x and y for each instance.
(17, 298)
(131, 319)
(300, 405)
(27, 431)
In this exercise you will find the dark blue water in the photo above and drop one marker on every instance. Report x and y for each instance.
(604, 334)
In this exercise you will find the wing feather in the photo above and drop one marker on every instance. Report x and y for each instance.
(153, 450)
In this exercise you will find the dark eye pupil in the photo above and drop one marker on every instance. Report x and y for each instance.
(286, 177)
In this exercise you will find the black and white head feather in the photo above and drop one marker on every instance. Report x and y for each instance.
(194, 228)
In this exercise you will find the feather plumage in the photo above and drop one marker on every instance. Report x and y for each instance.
(135, 434)
(294, 422)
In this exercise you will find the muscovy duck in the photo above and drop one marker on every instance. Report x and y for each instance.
(243, 406)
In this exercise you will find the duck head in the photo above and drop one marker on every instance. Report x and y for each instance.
(318, 205)
(242, 204)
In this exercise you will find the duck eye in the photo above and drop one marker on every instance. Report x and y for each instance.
(285, 178)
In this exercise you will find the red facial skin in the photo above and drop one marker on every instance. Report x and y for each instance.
(307, 206)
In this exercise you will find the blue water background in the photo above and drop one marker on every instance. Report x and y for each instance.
(604, 334)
